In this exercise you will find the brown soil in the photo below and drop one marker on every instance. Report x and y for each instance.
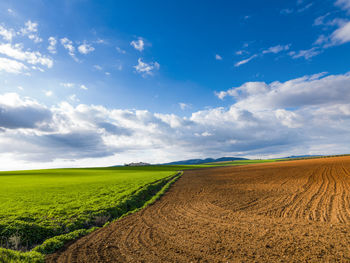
(296, 211)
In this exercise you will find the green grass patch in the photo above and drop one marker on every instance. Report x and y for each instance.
(10, 256)
(41, 204)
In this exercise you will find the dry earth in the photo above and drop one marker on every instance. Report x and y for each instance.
(296, 211)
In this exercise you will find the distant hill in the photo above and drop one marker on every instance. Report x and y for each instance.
(207, 160)
(300, 156)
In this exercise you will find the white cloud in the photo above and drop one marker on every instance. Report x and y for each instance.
(322, 39)
(16, 52)
(344, 4)
(307, 54)
(52, 45)
(67, 84)
(10, 11)
(138, 44)
(184, 106)
(72, 85)
(218, 57)
(276, 49)
(73, 98)
(85, 48)
(121, 51)
(68, 44)
(11, 66)
(341, 35)
(31, 30)
(146, 68)
(306, 91)
(244, 61)
(221, 95)
(299, 116)
(241, 52)
(321, 20)
(7, 34)
(98, 67)
(305, 7)
(48, 93)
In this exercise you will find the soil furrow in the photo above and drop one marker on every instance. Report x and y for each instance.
(295, 211)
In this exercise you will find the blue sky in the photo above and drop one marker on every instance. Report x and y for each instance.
(106, 82)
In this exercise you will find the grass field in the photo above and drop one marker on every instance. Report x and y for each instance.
(39, 204)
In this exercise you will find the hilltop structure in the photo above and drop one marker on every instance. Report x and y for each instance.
(137, 164)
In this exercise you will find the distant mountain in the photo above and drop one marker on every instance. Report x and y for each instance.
(207, 160)
(300, 156)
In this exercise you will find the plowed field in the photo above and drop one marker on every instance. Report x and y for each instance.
(295, 211)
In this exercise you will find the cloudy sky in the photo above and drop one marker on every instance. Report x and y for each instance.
(96, 83)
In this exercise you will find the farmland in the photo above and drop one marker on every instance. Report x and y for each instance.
(40, 204)
(53, 206)
(293, 211)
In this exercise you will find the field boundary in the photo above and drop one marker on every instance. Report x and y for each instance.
(138, 200)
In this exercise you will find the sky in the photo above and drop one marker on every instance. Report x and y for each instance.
(100, 83)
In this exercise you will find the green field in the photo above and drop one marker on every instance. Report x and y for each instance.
(43, 209)
(39, 204)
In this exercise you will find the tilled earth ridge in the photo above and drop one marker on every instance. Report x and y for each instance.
(295, 211)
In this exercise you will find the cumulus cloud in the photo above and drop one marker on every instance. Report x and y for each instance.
(299, 116)
(68, 44)
(311, 90)
(138, 44)
(146, 68)
(7, 34)
(31, 30)
(31, 57)
(21, 113)
(52, 45)
(85, 48)
(12, 66)
(245, 61)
